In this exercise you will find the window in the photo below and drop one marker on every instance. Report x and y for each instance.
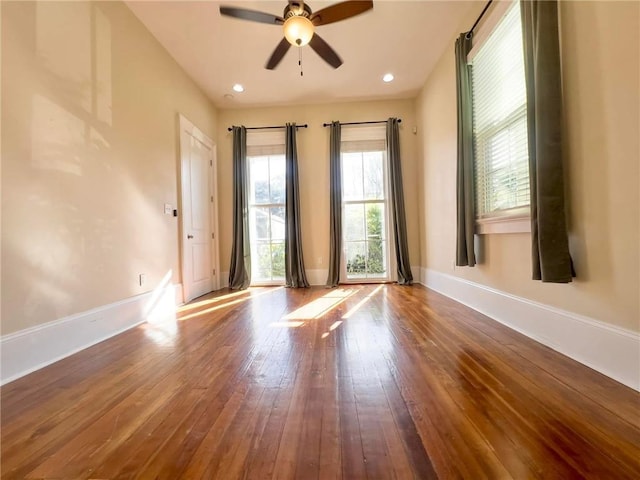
(265, 157)
(364, 204)
(500, 123)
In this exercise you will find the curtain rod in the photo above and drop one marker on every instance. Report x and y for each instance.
(269, 128)
(360, 123)
(470, 32)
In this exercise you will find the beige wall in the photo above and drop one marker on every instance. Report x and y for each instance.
(89, 156)
(600, 49)
(313, 161)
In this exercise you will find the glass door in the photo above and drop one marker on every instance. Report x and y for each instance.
(266, 218)
(365, 216)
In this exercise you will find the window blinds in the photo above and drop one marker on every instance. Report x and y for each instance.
(363, 139)
(263, 143)
(500, 119)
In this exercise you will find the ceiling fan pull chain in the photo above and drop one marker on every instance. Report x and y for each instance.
(300, 61)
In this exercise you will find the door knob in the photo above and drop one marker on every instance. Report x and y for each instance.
(189, 236)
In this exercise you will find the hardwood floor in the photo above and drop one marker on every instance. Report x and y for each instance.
(363, 381)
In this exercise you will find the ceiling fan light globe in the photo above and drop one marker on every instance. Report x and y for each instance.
(298, 30)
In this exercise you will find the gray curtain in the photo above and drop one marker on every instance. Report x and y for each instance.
(335, 204)
(465, 188)
(294, 263)
(550, 244)
(240, 268)
(397, 203)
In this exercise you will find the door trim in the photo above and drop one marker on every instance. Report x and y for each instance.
(392, 267)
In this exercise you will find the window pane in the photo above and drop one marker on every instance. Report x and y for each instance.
(261, 261)
(356, 260)
(277, 223)
(505, 178)
(277, 178)
(375, 221)
(352, 176)
(376, 259)
(498, 72)
(260, 223)
(354, 222)
(277, 260)
(259, 180)
(373, 175)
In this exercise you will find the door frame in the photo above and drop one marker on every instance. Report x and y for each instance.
(392, 275)
(188, 129)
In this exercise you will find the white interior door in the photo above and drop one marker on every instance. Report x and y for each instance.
(198, 215)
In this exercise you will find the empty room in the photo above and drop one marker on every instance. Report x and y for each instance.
(320, 240)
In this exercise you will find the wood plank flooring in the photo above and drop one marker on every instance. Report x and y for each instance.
(362, 381)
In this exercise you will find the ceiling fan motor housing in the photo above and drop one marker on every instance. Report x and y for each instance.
(296, 9)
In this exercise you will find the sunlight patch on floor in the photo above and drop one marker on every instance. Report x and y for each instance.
(227, 304)
(221, 298)
(359, 305)
(161, 307)
(160, 313)
(353, 310)
(286, 324)
(321, 306)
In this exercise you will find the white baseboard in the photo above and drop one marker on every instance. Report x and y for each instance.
(415, 271)
(224, 279)
(316, 277)
(610, 350)
(179, 293)
(29, 350)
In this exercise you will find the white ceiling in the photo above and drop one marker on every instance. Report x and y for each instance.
(405, 38)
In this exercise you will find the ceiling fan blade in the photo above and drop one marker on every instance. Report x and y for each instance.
(340, 11)
(323, 49)
(251, 15)
(278, 54)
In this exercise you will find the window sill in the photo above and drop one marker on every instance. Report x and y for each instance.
(504, 224)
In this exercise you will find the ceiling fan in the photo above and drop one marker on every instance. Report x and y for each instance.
(299, 22)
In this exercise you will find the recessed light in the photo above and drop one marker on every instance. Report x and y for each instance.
(238, 88)
(388, 77)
